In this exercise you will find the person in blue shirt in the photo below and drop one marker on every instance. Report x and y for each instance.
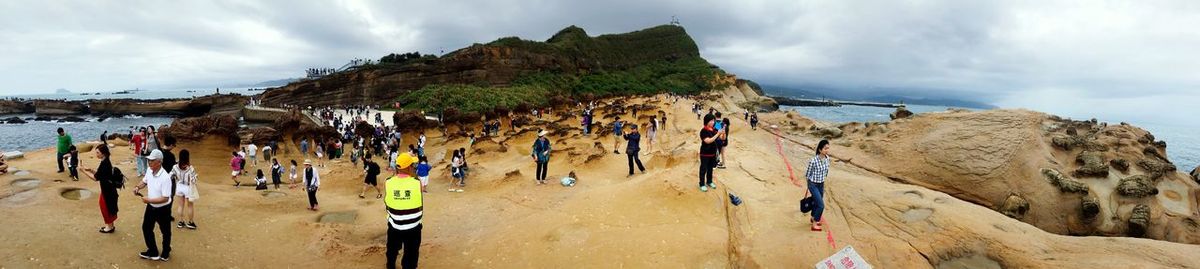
(423, 169)
(617, 124)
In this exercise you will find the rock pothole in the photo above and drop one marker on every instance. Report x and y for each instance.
(26, 183)
(973, 261)
(75, 193)
(344, 217)
(916, 214)
(274, 194)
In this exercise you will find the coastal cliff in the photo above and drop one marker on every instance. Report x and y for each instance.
(554, 68)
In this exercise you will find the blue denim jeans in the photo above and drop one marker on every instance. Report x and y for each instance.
(141, 165)
(818, 194)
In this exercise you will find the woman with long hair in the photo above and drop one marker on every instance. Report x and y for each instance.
(185, 188)
(109, 182)
(818, 170)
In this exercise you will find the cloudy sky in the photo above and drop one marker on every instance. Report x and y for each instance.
(1120, 61)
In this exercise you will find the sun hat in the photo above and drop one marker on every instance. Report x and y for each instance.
(543, 133)
(307, 162)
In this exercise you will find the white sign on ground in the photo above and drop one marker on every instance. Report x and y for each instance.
(846, 258)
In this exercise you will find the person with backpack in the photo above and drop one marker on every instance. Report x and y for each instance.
(160, 190)
(754, 121)
(110, 179)
(185, 190)
(541, 156)
(722, 143)
(818, 170)
(370, 178)
(260, 181)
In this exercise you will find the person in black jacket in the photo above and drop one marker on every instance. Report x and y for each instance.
(632, 140)
(108, 188)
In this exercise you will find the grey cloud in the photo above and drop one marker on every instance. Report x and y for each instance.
(987, 51)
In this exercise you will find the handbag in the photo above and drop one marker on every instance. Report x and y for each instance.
(807, 204)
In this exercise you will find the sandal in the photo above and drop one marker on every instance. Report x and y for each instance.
(107, 231)
(360, 196)
(816, 228)
(378, 196)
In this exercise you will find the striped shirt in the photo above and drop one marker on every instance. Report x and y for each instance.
(818, 169)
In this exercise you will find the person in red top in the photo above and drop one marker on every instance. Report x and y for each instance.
(138, 142)
(708, 152)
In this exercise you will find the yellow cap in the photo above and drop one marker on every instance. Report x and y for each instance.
(404, 160)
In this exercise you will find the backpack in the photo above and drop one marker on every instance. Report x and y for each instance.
(118, 178)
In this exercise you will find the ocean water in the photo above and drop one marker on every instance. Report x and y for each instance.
(38, 135)
(1183, 142)
(141, 94)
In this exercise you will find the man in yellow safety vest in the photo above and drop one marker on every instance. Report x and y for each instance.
(403, 200)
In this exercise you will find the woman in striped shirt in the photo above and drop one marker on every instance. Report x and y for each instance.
(818, 169)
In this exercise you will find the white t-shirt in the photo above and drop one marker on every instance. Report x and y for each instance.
(253, 150)
(266, 149)
(158, 185)
(421, 142)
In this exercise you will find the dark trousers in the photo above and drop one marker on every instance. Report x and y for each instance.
(162, 217)
(541, 170)
(633, 158)
(59, 160)
(312, 198)
(706, 169)
(409, 240)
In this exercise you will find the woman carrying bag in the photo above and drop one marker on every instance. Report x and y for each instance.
(818, 170)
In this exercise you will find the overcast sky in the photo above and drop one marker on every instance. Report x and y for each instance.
(1132, 61)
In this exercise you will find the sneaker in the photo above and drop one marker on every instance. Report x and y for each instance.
(703, 189)
(147, 255)
(164, 257)
(712, 186)
(191, 225)
(179, 225)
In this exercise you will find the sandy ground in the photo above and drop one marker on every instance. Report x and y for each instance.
(504, 220)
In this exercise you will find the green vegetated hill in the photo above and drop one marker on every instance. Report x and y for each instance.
(515, 74)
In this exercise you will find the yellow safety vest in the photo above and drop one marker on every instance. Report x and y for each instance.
(404, 202)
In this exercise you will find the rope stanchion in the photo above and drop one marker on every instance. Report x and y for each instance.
(792, 176)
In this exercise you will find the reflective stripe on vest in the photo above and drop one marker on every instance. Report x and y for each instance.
(403, 201)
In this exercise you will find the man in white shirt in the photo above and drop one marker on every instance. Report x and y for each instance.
(253, 150)
(160, 189)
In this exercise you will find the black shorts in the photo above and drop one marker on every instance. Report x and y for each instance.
(373, 181)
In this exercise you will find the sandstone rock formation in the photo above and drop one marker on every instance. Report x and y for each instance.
(15, 107)
(900, 113)
(55, 107)
(197, 128)
(993, 157)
